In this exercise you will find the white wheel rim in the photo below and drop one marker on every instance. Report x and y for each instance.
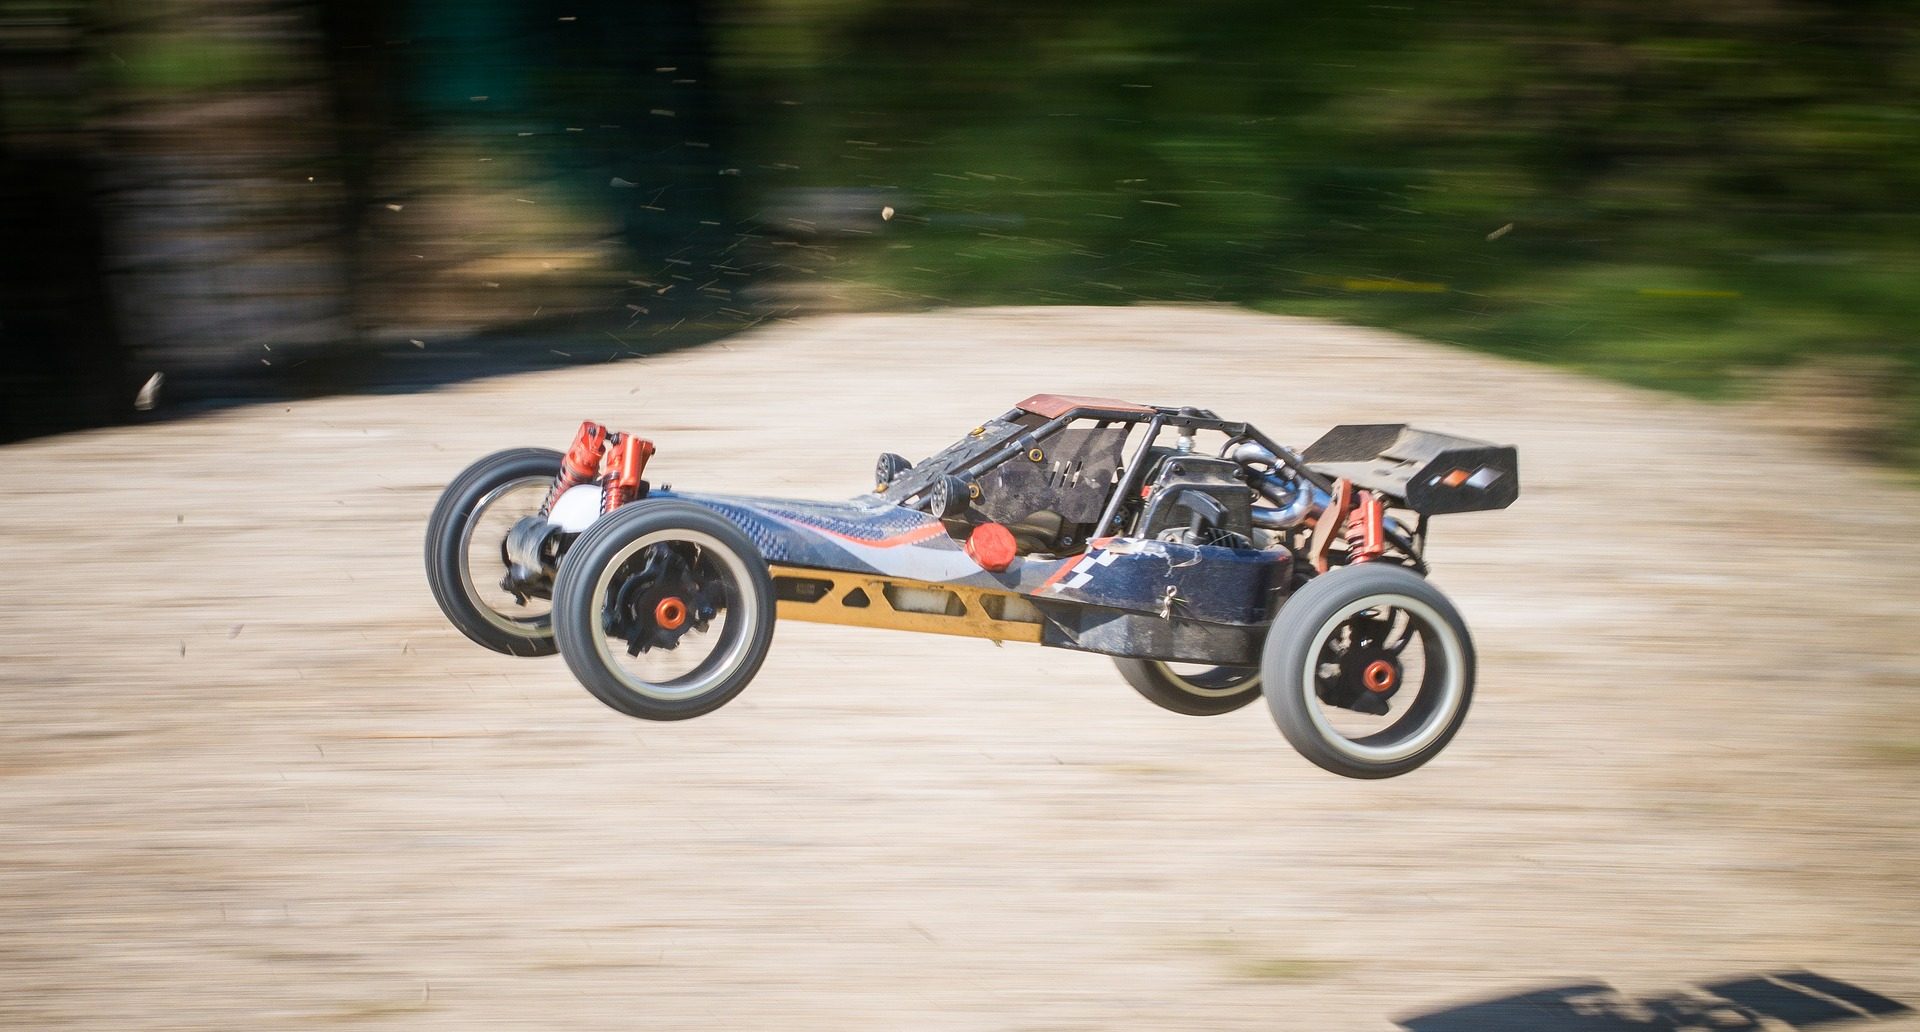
(716, 667)
(538, 625)
(1452, 679)
(1182, 682)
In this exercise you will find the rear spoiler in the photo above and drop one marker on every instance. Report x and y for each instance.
(1427, 472)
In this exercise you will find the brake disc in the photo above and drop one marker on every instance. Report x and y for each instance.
(1363, 671)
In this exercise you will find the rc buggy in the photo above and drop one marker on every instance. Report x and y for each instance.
(1214, 564)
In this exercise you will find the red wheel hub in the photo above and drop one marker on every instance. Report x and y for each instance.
(671, 613)
(1379, 676)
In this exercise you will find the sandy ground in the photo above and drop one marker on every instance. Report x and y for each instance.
(250, 779)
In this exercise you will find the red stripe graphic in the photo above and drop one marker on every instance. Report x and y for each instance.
(1065, 568)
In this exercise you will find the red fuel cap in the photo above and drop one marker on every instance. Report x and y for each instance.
(991, 545)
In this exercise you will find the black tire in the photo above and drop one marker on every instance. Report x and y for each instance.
(1208, 694)
(456, 587)
(585, 582)
(1300, 636)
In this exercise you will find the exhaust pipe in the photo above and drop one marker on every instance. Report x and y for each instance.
(1252, 453)
(1296, 501)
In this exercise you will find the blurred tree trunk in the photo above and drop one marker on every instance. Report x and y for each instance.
(60, 358)
(222, 202)
(358, 39)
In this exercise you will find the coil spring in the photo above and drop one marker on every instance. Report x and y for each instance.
(1366, 537)
(612, 495)
(579, 465)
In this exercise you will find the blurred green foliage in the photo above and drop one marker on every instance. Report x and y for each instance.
(1670, 194)
(164, 64)
(1707, 196)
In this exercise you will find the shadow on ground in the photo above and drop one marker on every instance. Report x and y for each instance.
(404, 367)
(1793, 999)
(401, 366)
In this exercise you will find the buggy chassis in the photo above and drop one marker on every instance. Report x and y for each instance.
(1065, 521)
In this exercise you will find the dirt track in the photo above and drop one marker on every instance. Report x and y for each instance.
(250, 779)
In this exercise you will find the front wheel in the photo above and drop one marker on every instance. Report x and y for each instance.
(1368, 670)
(1192, 689)
(663, 610)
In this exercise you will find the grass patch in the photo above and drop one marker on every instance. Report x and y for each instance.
(375, 1010)
(1248, 962)
(1284, 969)
(1143, 770)
(1903, 753)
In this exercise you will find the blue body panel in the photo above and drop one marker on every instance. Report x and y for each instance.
(871, 535)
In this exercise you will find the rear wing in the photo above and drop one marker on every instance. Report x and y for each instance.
(1427, 472)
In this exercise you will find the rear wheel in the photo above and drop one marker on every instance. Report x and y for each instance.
(1190, 688)
(1368, 670)
(663, 610)
(466, 550)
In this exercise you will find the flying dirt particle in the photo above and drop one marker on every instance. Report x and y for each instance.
(235, 633)
(1502, 231)
(886, 213)
(395, 207)
(421, 344)
(149, 394)
(621, 184)
(523, 200)
(183, 648)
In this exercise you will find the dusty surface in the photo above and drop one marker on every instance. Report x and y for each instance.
(250, 779)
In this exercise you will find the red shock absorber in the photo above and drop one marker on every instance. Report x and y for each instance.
(626, 464)
(1366, 529)
(1357, 515)
(581, 463)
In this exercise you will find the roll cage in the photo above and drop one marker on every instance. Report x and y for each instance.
(1029, 424)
